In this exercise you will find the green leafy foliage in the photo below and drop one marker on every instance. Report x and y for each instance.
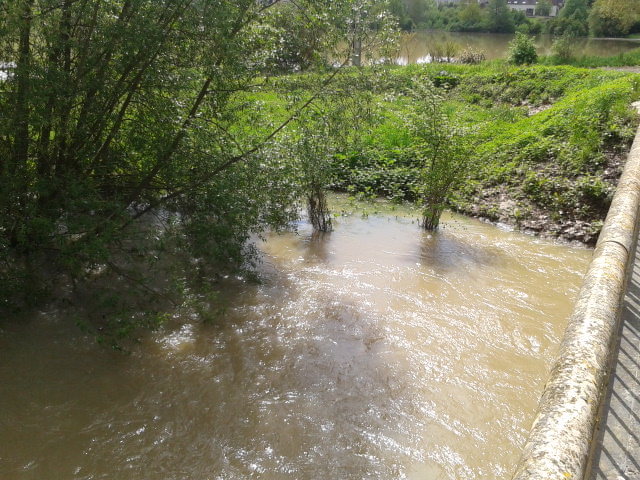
(144, 143)
(130, 126)
(440, 149)
(543, 8)
(522, 50)
(563, 48)
(613, 18)
(549, 139)
(499, 18)
(602, 18)
(627, 59)
(571, 19)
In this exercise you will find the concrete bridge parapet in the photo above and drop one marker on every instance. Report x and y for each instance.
(561, 438)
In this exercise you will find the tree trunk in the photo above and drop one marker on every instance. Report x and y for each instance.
(431, 216)
(356, 57)
(23, 71)
(19, 157)
(319, 214)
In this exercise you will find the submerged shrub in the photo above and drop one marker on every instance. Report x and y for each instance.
(471, 55)
(522, 50)
(563, 47)
(443, 52)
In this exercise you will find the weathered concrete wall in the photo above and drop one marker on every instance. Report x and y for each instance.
(559, 443)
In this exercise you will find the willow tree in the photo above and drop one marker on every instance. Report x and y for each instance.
(498, 17)
(442, 147)
(572, 19)
(119, 110)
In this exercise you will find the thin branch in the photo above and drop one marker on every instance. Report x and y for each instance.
(136, 282)
(238, 158)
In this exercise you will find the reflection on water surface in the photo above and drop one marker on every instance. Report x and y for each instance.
(374, 352)
(415, 47)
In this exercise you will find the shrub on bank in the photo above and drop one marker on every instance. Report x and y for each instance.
(565, 56)
(553, 139)
(522, 50)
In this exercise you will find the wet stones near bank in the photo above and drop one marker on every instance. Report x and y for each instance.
(536, 221)
(579, 223)
(573, 231)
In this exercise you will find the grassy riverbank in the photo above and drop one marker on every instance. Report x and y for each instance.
(626, 59)
(550, 143)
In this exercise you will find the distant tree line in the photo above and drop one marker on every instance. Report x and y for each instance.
(599, 18)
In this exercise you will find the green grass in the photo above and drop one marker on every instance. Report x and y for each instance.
(627, 59)
(547, 137)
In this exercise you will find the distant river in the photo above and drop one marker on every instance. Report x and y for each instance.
(415, 46)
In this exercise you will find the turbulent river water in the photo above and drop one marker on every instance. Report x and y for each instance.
(377, 351)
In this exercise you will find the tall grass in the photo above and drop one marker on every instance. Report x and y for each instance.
(627, 59)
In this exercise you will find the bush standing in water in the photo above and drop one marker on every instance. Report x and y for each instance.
(522, 50)
(442, 150)
(313, 150)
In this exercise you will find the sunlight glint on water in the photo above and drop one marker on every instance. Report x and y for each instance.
(374, 352)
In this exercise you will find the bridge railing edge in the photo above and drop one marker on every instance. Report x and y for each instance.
(561, 436)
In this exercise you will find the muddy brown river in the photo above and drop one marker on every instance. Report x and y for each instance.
(377, 351)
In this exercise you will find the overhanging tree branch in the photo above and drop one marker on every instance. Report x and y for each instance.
(236, 159)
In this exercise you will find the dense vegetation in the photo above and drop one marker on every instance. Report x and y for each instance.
(549, 143)
(564, 54)
(599, 18)
(128, 133)
(144, 143)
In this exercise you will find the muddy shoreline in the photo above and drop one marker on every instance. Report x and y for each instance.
(504, 205)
